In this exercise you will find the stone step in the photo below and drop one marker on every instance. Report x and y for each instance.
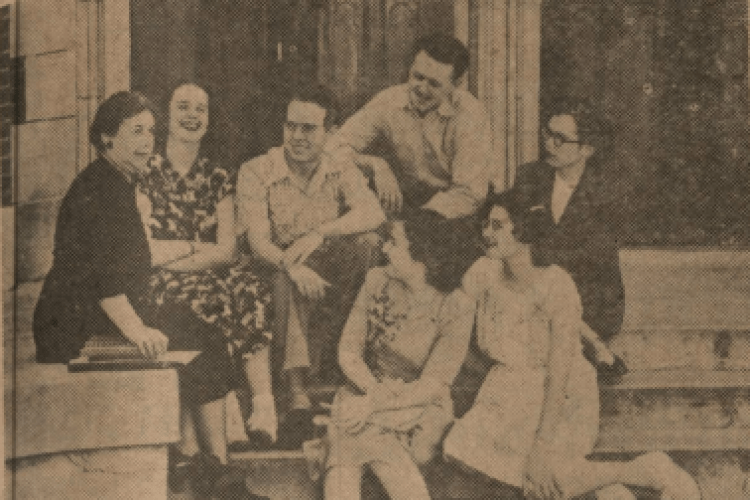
(674, 400)
(722, 475)
(667, 347)
(678, 401)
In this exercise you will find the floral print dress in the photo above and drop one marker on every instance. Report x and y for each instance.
(184, 208)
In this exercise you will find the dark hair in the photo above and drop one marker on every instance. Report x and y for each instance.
(593, 129)
(527, 227)
(445, 49)
(322, 96)
(112, 112)
(442, 246)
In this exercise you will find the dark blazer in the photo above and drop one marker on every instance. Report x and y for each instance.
(584, 242)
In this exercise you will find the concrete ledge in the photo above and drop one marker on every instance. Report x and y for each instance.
(49, 410)
(686, 288)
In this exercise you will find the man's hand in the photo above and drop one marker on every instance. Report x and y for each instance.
(150, 341)
(308, 282)
(539, 481)
(386, 184)
(301, 249)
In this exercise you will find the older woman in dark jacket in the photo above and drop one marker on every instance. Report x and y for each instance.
(99, 276)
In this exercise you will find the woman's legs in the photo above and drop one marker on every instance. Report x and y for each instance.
(614, 492)
(343, 483)
(652, 470)
(258, 372)
(401, 479)
(188, 444)
(210, 420)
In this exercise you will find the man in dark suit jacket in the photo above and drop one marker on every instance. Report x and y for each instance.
(575, 218)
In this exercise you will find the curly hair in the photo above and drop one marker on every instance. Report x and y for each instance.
(442, 246)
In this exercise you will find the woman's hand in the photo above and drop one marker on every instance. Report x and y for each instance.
(150, 341)
(539, 481)
(353, 413)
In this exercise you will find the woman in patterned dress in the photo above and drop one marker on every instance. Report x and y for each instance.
(189, 198)
(536, 416)
(403, 344)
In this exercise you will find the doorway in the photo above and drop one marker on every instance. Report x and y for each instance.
(250, 53)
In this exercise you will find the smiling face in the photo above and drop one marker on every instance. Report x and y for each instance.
(430, 83)
(133, 144)
(188, 113)
(497, 234)
(304, 131)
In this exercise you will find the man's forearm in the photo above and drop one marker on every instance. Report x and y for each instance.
(455, 202)
(358, 220)
(266, 250)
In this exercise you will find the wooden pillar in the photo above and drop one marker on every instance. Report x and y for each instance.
(116, 38)
(461, 30)
(508, 80)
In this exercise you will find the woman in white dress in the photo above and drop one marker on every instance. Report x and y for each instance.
(535, 418)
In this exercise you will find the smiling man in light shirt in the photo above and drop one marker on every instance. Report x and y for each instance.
(437, 135)
(302, 211)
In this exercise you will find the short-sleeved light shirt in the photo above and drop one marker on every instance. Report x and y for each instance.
(448, 148)
(271, 201)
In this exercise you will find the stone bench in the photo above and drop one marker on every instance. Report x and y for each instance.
(88, 435)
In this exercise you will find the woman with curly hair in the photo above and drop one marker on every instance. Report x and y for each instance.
(403, 344)
(189, 202)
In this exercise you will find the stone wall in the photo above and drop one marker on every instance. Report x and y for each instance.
(74, 53)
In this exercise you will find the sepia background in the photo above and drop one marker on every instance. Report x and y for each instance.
(671, 76)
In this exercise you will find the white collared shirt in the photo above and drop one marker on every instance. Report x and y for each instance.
(272, 202)
(448, 148)
(561, 193)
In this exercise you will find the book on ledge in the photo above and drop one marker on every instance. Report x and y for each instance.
(108, 353)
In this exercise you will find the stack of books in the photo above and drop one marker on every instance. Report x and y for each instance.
(110, 353)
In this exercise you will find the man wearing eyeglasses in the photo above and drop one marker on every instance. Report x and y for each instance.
(302, 211)
(570, 203)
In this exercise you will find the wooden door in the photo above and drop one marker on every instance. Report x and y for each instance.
(248, 53)
(364, 44)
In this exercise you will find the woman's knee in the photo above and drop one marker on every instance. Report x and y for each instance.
(343, 483)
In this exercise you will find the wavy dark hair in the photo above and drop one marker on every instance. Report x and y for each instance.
(442, 246)
(444, 49)
(321, 95)
(112, 112)
(528, 227)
